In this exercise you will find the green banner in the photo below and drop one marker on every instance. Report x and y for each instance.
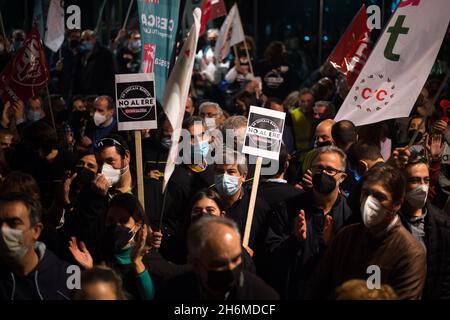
(158, 21)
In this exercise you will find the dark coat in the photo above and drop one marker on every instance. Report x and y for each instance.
(297, 260)
(48, 281)
(437, 242)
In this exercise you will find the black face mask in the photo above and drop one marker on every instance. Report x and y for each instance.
(83, 179)
(323, 183)
(74, 43)
(224, 280)
(118, 236)
(418, 138)
(323, 144)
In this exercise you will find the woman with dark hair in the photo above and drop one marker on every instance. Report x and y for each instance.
(206, 202)
(126, 242)
(100, 283)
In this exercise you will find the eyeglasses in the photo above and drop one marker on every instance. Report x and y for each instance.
(109, 142)
(328, 170)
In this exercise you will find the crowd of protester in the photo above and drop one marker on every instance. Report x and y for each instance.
(343, 200)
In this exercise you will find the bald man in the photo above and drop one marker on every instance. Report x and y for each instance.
(322, 138)
(215, 253)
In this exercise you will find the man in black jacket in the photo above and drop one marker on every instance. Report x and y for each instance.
(230, 174)
(430, 226)
(97, 67)
(27, 270)
(298, 240)
(188, 177)
(215, 252)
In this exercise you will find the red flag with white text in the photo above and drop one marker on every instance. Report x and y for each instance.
(27, 72)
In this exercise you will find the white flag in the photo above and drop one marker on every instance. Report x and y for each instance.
(231, 33)
(177, 90)
(398, 67)
(54, 37)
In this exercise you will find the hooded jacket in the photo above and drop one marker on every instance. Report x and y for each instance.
(48, 281)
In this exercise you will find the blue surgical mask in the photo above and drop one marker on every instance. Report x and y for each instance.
(166, 143)
(226, 184)
(135, 45)
(86, 46)
(33, 116)
(200, 150)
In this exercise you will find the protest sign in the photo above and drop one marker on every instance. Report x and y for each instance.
(135, 101)
(262, 139)
(264, 132)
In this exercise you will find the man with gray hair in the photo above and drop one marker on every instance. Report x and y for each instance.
(212, 113)
(324, 110)
(298, 240)
(230, 175)
(215, 253)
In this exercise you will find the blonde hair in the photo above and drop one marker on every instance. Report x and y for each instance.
(356, 289)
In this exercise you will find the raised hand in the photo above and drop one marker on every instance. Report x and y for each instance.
(300, 228)
(66, 187)
(307, 180)
(155, 238)
(81, 254)
(100, 184)
(328, 229)
(6, 114)
(400, 157)
(435, 146)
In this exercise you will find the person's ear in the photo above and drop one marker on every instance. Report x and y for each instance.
(362, 166)
(244, 177)
(342, 177)
(397, 205)
(36, 230)
(127, 157)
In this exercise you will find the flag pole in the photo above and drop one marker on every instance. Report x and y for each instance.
(3, 27)
(140, 176)
(251, 209)
(320, 31)
(50, 106)
(128, 14)
(97, 26)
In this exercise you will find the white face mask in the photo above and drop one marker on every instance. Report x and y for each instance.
(99, 119)
(210, 123)
(417, 197)
(111, 174)
(373, 213)
(12, 248)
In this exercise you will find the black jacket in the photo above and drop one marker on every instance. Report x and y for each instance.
(437, 242)
(48, 281)
(297, 260)
(262, 217)
(187, 287)
(95, 75)
(183, 184)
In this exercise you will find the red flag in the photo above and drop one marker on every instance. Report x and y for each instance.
(27, 71)
(211, 9)
(353, 49)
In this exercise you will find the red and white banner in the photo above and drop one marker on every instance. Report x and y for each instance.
(27, 72)
(231, 33)
(211, 9)
(399, 65)
(351, 53)
(177, 90)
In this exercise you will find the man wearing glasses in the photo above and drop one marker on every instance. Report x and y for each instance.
(314, 216)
